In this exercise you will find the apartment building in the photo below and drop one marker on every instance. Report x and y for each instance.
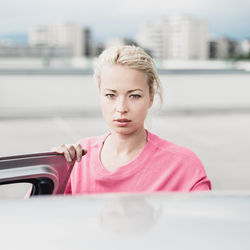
(176, 37)
(68, 35)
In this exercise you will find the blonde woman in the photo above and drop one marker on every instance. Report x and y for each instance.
(130, 158)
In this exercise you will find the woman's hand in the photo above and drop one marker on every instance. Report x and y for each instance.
(71, 153)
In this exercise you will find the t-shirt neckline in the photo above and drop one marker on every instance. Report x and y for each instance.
(126, 170)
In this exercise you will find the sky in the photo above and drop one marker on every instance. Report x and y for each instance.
(121, 18)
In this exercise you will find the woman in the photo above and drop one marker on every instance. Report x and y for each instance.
(129, 158)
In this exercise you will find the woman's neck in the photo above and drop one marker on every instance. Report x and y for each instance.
(127, 144)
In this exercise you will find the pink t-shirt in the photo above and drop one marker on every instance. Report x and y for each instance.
(161, 166)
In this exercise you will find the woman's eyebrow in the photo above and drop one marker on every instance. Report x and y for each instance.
(129, 91)
(132, 90)
(111, 90)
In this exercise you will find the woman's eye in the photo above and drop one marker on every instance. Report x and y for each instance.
(135, 96)
(110, 95)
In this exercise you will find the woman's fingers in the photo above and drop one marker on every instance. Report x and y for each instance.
(71, 152)
(66, 153)
(79, 152)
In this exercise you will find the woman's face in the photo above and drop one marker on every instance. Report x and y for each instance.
(125, 98)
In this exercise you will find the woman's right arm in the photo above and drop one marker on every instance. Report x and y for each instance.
(72, 153)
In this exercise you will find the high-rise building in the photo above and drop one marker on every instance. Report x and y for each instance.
(151, 37)
(39, 36)
(186, 38)
(177, 37)
(72, 36)
(245, 47)
(223, 48)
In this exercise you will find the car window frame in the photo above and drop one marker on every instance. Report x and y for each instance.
(48, 172)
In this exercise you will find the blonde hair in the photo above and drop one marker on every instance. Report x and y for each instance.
(132, 57)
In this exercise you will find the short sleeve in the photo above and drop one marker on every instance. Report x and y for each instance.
(203, 184)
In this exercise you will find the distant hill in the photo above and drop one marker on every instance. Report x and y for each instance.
(17, 38)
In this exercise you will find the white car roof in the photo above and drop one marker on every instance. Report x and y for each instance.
(128, 221)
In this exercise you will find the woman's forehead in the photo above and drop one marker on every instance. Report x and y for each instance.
(117, 76)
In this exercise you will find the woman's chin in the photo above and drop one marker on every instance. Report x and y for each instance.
(124, 130)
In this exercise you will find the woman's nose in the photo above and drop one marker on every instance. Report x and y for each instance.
(122, 106)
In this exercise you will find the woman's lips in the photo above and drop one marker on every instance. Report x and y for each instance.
(122, 122)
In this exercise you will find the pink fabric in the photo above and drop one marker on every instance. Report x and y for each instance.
(161, 166)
